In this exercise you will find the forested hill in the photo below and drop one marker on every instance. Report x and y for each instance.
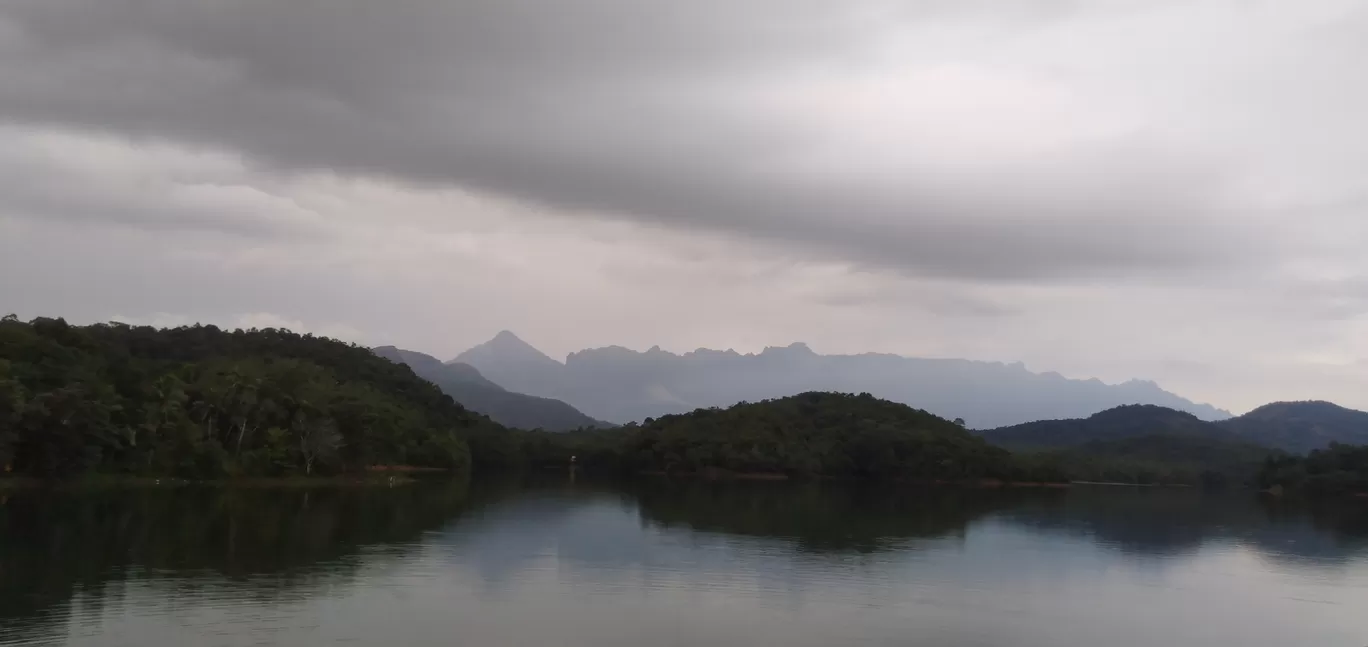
(1113, 424)
(1296, 427)
(1301, 426)
(467, 386)
(829, 434)
(203, 402)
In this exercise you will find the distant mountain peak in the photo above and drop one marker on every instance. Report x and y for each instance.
(504, 345)
(796, 348)
(506, 334)
(510, 362)
(468, 386)
(507, 338)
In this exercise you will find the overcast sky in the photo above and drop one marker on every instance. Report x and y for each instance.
(1169, 190)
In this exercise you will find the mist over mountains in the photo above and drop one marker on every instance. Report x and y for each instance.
(466, 385)
(622, 385)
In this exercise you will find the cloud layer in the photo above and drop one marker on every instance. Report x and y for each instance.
(1114, 188)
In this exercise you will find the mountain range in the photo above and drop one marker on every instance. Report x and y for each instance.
(1011, 406)
(623, 385)
(466, 385)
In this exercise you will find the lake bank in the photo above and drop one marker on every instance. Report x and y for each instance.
(294, 482)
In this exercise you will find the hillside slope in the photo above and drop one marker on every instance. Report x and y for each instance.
(466, 385)
(203, 402)
(1111, 425)
(1140, 444)
(827, 434)
(1300, 426)
(1296, 427)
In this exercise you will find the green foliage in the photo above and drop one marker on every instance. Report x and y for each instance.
(1296, 427)
(1300, 427)
(201, 402)
(1158, 459)
(861, 437)
(1339, 469)
(13, 400)
(1146, 445)
(815, 434)
(1113, 424)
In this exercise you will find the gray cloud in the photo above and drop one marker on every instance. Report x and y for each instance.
(1119, 189)
(622, 108)
(67, 178)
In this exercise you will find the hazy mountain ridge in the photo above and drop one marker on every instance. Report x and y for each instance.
(511, 362)
(622, 385)
(466, 385)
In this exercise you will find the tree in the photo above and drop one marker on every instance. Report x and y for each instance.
(318, 439)
(65, 430)
(12, 401)
(202, 402)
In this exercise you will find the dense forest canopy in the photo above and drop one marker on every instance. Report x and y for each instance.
(1113, 424)
(1300, 427)
(1339, 469)
(203, 402)
(863, 437)
(827, 434)
(200, 402)
(1296, 427)
(1158, 459)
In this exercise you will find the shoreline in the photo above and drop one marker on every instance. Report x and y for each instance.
(1119, 484)
(371, 477)
(716, 474)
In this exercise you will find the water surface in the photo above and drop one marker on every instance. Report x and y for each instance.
(655, 563)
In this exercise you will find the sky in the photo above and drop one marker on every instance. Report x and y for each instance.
(1153, 189)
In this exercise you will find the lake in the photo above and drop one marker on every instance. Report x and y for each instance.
(561, 562)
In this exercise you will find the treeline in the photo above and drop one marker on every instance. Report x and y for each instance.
(812, 434)
(200, 402)
(1339, 469)
(861, 437)
(1158, 459)
(807, 435)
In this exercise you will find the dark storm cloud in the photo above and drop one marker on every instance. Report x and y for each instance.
(614, 107)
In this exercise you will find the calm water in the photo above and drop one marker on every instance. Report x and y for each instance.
(655, 564)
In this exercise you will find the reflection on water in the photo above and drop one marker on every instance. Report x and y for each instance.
(661, 563)
(94, 547)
